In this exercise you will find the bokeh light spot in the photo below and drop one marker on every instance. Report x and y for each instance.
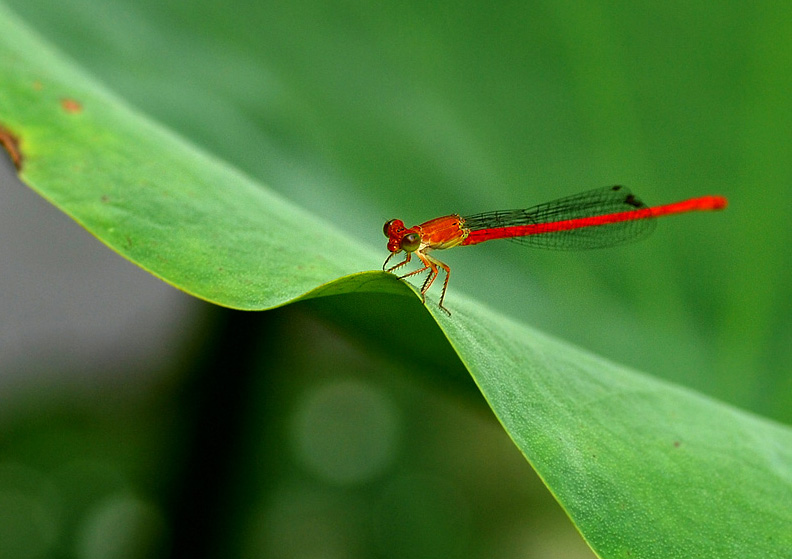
(346, 432)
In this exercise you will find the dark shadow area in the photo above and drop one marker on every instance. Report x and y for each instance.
(213, 400)
(401, 329)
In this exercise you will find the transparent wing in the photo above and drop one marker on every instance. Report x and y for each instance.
(601, 201)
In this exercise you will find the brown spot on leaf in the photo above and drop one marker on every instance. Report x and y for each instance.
(38, 86)
(71, 106)
(11, 144)
(676, 444)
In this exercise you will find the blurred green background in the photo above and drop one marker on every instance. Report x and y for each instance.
(136, 422)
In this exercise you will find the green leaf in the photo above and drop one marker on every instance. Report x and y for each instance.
(176, 211)
(644, 468)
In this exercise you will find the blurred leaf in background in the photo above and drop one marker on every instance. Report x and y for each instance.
(364, 113)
